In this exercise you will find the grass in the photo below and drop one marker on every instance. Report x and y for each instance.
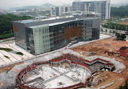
(6, 49)
(20, 53)
(7, 57)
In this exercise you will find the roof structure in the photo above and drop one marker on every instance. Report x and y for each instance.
(53, 20)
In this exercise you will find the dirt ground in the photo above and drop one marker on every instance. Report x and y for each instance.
(98, 48)
(109, 77)
(7, 68)
(125, 23)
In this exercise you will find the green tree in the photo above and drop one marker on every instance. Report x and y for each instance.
(110, 31)
(101, 30)
(6, 23)
(106, 30)
(118, 35)
(113, 32)
(123, 36)
(121, 11)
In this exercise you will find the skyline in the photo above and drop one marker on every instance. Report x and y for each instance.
(20, 3)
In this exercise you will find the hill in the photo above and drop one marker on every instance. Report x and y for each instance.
(125, 7)
(121, 11)
(25, 7)
(47, 5)
(32, 7)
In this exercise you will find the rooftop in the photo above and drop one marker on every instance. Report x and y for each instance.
(53, 20)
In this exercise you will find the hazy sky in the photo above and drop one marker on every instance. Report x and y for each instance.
(18, 3)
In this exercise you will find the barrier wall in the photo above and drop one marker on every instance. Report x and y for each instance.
(69, 57)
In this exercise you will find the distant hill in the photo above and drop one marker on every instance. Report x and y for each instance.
(119, 4)
(47, 5)
(32, 7)
(125, 7)
(121, 11)
(25, 7)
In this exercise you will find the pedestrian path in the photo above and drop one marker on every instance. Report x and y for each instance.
(11, 57)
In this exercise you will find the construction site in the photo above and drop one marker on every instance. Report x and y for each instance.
(125, 23)
(113, 49)
(98, 64)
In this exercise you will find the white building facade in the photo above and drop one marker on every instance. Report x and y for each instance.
(100, 6)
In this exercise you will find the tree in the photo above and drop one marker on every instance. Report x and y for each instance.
(106, 30)
(101, 30)
(110, 31)
(123, 36)
(118, 35)
(113, 32)
(6, 23)
(121, 11)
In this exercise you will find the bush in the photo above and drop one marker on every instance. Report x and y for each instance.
(7, 57)
(20, 53)
(32, 52)
(6, 49)
(101, 30)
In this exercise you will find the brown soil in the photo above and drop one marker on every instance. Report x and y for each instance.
(117, 78)
(9, 67)
(125, 23)
(99, 47)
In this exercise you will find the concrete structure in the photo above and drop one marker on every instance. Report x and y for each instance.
(59, 10)
(67, 70)
(40, 36)
(100, 6)
(12, 74)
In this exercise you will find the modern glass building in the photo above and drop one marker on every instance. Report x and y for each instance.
(40, 36)
(100, 6)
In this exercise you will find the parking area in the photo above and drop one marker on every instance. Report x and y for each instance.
(9, 57)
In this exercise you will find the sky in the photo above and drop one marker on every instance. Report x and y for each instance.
(19, 3)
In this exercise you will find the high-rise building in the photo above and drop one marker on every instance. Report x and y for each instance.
(40, 36)
(59, 10)
(100, 6)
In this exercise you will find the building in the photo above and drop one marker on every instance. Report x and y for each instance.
(100, 6)
(40, 36)
(59, 10)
